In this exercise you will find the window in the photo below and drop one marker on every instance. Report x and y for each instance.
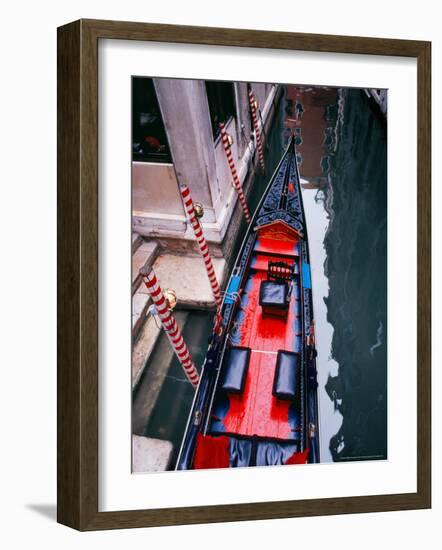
(221, 103)
(149, 140)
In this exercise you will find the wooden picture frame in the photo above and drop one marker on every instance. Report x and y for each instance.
(78, 274)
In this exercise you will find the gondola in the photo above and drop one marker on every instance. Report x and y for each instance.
(256, 403)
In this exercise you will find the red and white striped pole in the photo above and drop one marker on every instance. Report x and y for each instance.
(169, 324)
(252, 103)
(231, 162)
(204, 249)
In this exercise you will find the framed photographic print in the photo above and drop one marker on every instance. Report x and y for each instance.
(243, 275)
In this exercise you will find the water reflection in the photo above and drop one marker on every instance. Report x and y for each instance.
(342, 154)
(356, 245)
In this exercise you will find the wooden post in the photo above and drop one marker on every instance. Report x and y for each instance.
(170, 325)
(253, 112)
(236, 182)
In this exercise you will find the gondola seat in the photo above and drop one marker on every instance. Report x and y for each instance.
(287, 380)
(273, 297)
(274, 293)
(235, 369)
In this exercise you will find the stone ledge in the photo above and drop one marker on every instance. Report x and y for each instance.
(142, 348)
(149, 454)
(140, 302)
(137, 240)
(187, 276)
(146, 252)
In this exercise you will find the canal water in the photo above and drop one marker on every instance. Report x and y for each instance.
(356, 267)
(341, 144)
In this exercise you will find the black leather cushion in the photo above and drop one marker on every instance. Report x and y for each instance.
(235, 369)
(287, 381)
(273, 294)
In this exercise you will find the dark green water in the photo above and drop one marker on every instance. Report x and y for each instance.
(356, 267)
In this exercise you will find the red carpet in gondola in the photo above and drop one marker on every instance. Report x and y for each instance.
(211, 452)
(256, 411)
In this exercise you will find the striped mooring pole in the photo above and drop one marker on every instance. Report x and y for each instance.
(170, 325)
(231, 162)
(252, 103)
(204, 249)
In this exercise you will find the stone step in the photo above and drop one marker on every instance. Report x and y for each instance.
(137, 240)
(149, 454)
(142, 347)
(187, 276)
(157, 372)
(140, 304)
(146, 253)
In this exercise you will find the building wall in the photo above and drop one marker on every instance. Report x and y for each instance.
(197, 160)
